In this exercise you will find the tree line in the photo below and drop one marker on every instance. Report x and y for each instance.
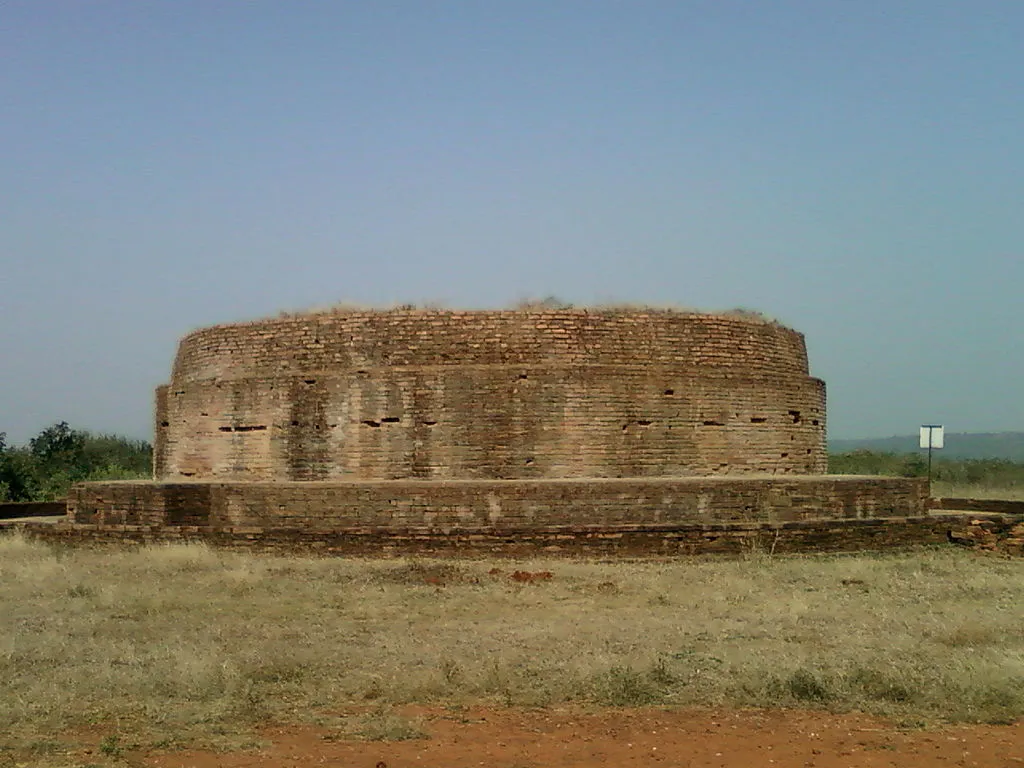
(985, 473)
(59, 456)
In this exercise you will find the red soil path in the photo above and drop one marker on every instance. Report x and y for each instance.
(499, 738)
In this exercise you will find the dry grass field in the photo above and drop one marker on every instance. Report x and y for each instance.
(178, 645)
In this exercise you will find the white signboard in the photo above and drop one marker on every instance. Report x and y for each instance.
(932, 435)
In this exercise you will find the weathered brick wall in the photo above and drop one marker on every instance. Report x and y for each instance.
(447, 395)
(848, 535)
(374, 339)
(494, 505)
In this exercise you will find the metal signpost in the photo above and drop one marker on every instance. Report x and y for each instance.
(932, 436)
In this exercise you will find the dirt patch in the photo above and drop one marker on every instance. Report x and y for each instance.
(537, 739)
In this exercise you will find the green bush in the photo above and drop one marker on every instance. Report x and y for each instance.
(60, 456)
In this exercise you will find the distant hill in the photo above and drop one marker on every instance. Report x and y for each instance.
(959, 445)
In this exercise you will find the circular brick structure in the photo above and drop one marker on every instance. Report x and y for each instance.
(490, 395)
(504, 432)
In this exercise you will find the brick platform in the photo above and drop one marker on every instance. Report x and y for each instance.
(618, 430)
(662, 517)
(986, 531)
(489, 506)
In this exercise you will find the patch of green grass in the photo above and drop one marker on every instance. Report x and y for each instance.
(386, 725)
(951, 478)
(626, 687)
(807, 686)
(111, 746)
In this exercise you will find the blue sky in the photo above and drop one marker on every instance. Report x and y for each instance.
(854, 169)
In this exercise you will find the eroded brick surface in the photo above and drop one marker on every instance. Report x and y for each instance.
(637, 540)
(459, 395)
(491, 506)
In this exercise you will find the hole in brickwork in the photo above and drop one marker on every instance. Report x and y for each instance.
(371, 423)
(758, 419)
(796, 416)
(224, 429)
(785, 455)
(390, 420)
(814, 422)
(295, 423)
(529, 461)
(808, 450)
(187, 474)
(362, 373)
(644, 422)
(670, 391)
(251, 428)
(429, 423)
(713, 423)
(523, 376)
(203, 413)
(165, 423)
(309, 381)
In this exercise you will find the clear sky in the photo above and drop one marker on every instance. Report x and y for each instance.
(854, 168)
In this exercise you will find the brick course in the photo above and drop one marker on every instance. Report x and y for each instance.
(1002, 533)
(501, 395)
(494, 506)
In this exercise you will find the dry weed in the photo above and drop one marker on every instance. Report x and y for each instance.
(188, 643)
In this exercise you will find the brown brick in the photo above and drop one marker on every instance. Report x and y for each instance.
(439, 395)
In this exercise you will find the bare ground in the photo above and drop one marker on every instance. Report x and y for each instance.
(516, 738)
